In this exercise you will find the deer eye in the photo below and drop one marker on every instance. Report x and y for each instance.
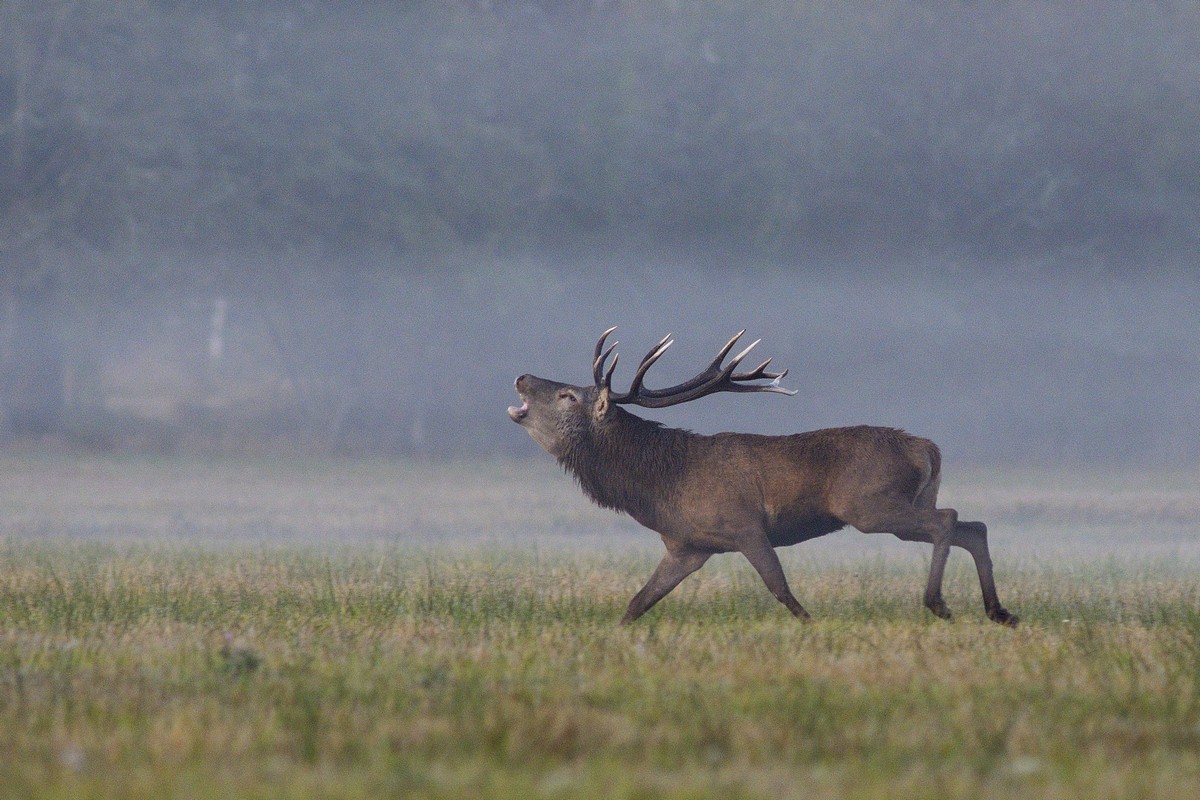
(568, 396)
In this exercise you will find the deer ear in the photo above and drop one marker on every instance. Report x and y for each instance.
(600, 407)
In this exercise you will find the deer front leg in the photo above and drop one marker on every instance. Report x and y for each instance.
(674, 567)
(761, 555)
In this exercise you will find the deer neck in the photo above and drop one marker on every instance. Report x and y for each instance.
(629, 464)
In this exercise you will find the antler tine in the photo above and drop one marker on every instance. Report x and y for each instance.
(774, 386)
(654, 354)
(611, 368)
(758, 372)
(598, 364)
(599, 358)
(600, 341)
(738, 358)
(724, 351)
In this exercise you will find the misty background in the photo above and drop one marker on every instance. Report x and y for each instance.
(289, 227)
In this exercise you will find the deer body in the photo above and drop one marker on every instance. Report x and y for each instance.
(747, 493)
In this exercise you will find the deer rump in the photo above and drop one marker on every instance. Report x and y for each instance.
(744, 492)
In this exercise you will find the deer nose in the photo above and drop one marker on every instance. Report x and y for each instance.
(520, 379)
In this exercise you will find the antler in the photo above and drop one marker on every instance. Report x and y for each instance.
(714, 378)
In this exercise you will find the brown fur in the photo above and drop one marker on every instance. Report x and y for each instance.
(750, 493)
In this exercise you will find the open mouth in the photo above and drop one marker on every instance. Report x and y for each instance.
(519, 414)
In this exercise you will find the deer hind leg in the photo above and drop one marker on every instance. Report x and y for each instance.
(934, 526)
(972, 537)
(674, 567)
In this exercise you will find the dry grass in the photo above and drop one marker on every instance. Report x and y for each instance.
(358, 630)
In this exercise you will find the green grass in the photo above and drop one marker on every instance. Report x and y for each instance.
(174, 649)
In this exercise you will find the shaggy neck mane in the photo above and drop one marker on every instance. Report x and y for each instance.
(627, 463)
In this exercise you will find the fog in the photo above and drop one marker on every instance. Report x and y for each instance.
(283, 228)
(996, 370)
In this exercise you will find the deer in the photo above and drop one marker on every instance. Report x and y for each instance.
(742, 492)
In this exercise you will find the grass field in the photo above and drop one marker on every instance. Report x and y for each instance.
(348, 629)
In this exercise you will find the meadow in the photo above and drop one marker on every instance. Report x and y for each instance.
(321, 629)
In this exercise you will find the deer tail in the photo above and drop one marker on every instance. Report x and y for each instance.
(929, 460)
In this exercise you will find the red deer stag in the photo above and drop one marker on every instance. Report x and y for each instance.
(744, 492)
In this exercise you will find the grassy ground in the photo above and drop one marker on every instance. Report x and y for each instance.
(362, 630)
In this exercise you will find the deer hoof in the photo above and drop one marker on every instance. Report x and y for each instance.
(1004, 617)
(939, 608)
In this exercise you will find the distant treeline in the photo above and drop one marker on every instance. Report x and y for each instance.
(793, 130)
(313, 166)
